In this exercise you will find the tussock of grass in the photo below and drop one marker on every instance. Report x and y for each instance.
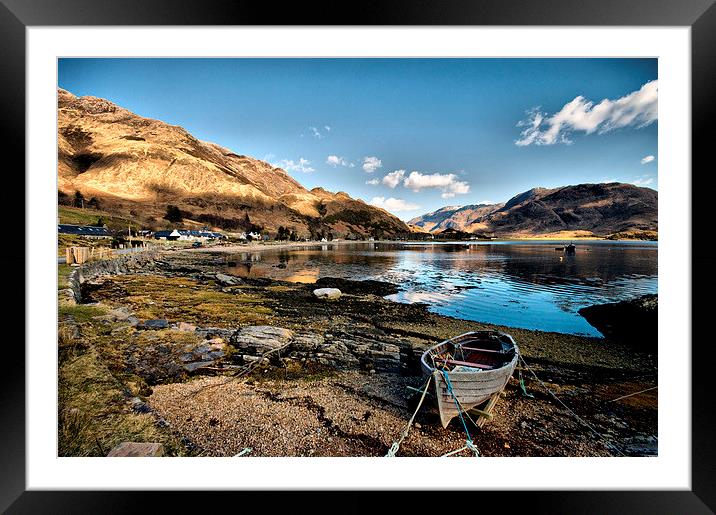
(80, 313)
(94, 413)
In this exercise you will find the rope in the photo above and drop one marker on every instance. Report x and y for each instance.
(245, 371)
(396, 445)
(635, 393)
(468, 442)
(244, 452)
(609, 445)
(522, 385)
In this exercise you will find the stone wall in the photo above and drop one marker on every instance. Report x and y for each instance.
(123, 264)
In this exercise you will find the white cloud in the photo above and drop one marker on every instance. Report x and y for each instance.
(447, 182)
(647, 159)
(644, 180)
(316, 133)
(393, 178)
(336, 161)
(486, 202)
(373, 182)
(327, 127)
(638, 109)
(292, 166)
(393, 204)
(371, 164)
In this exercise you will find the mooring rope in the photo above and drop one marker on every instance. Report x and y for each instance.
(468, 442)
(240, 373)
(609, 445)
(396, 445)
(633, 394)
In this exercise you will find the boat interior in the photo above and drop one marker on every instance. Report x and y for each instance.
(476, 351)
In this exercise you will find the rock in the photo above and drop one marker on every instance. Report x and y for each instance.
(327, 293)
(158, 323)
(633, 321)
(213, 332)
(139, 406)
(227, 280)
(185, 326)
(306, 342)
(132, 321)
(121, 313)
(358, 287)
(68, 296)
(192, 367)
(137, 449)
(261, 338)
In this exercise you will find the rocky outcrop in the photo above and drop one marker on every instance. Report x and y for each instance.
(635, 322)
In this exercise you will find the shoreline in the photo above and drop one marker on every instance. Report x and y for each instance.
(248, 247)
(337, 399)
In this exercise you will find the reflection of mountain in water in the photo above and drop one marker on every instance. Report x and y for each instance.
(520, 284)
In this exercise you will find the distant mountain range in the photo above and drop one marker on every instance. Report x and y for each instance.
(138, 166)
(613, 209)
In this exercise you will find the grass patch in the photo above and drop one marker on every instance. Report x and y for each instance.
(63, 274)
(94, 413)
(183, 299)
(79, 216)
(81, 313)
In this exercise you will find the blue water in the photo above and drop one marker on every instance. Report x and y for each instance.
(517, 284)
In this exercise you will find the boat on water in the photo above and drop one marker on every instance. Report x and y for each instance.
(567, 249)
(469, 369)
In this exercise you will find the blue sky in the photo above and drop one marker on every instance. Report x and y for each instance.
(411, 135)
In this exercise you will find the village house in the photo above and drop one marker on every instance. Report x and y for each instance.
(188, 235)
(88, 231)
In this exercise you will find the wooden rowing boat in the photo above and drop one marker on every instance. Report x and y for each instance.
(477, 365)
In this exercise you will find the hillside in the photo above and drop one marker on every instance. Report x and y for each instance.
(585, 209)
(137, 166)
(452, 217)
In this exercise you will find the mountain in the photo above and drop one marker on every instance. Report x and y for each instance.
(452, 217)
(613, 209)
(138, 166)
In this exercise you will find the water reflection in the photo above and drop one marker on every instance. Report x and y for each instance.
(522, 284)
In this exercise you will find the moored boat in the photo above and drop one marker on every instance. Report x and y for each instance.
(469, 369)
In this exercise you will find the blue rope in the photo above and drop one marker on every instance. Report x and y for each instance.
(457, 404)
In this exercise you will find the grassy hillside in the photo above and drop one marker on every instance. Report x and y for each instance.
(78, 216)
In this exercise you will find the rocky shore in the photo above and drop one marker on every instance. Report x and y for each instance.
(221, 364)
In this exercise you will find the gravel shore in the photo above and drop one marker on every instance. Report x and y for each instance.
(355, 411)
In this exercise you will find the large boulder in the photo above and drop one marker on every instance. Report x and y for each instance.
(227, 280)
(327, 293)
(260, 338)
(137, 449)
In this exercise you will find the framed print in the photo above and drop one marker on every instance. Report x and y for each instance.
(422, 249)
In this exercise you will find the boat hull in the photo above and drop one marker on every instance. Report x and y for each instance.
(469, 388)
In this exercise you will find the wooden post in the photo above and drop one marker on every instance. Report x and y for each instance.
(69, 257)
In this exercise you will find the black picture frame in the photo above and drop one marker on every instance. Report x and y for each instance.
(699, 15)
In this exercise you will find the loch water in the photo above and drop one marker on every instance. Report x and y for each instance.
(527, 284)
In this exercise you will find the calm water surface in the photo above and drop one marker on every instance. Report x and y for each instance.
(518, 284)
